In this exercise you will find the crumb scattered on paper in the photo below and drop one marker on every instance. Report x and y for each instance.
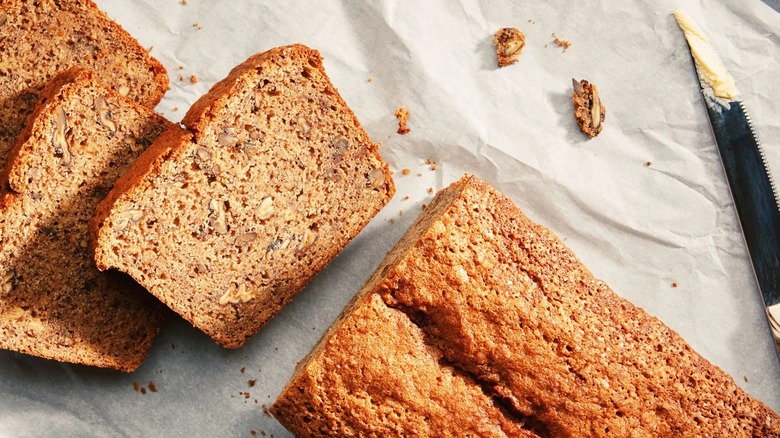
(406, 172)
(370, 79)
(561, 43)
(152, 387)
(674, 284)
(509, 42)
(402, 114)
(193, 79)
(197, 25)
(649, 163)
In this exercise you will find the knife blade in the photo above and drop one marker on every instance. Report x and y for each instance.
(752, 187)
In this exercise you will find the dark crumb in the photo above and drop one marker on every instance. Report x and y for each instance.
(745, 378)
(251, 383)
(589, 111)
(561, 43)
(152, 387)
(181, 67)
(197, 26)
(509, 42)
(392, 220)
(434, 165)
(262, 432)
(649, 163)
(193, 79)
(531, 21)
(136, 386)
(253, 432)
(406, 172)
(266, 411)
(405, 198)
(674, 284)
(184, 2)
(143, 390)
(424, 206)
(181, 78)
(370, 79)
(242, 369)
(430, 189)
(401, 213)
(402, 114)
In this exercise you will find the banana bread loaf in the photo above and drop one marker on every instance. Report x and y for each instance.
(40, 38)
(500, 302)
(224, 222)
(54, 303)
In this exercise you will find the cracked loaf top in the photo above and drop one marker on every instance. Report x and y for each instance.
(481, 322)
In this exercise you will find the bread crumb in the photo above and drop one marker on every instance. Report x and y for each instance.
(419, 173)
(266, 411)
(589, 110)
(402, 114)
(152, 387)
(184, 2)
(196, 25)
(181, 78)
(136, 386)
(242, 369)
(509, 42)
(405, 198)
(181, 67)
(251, 383)
(175, 109)
(370, 79)
(674, 284)
(430, 189)
(401, 213)
(424, 206)
(746, 378)
(561, 43)
(392, 220)
(143, 390)
(649, 163)
(253, 432)
(406, 172)
(193, 79)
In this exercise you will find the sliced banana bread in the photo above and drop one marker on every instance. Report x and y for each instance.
(226, 221)
(39, 38)
(500, 302)
(54, 303)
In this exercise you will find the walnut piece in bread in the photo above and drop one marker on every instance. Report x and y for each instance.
(54, 303)
(270, 180)
(483, 323)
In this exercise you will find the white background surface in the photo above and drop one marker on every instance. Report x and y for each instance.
(639, 228)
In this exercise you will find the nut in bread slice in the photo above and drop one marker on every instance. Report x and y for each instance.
(54, 303)
(226, 221)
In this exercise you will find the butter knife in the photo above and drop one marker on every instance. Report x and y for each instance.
(751, 183)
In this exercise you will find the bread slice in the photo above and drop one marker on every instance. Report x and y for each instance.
(39, 38)
(54, 303)
(500, 301)
(226, 221)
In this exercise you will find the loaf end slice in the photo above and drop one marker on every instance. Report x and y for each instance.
(272, 178)
(507, 306)
(41, 38)
(54, 303)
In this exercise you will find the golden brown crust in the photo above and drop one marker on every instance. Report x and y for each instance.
(510, 307)
(41, 38)
(54, 303)
(273, 176)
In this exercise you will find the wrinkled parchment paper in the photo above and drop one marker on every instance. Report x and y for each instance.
(639, 227)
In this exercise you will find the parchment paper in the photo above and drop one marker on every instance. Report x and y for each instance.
(640, 228)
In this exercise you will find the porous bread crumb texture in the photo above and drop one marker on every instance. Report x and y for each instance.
(509, 42)
(54, 303)
(589, 111)
(234, 216)
(39, 38)
(500, 302)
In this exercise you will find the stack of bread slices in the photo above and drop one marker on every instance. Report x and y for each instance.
(222, 219)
